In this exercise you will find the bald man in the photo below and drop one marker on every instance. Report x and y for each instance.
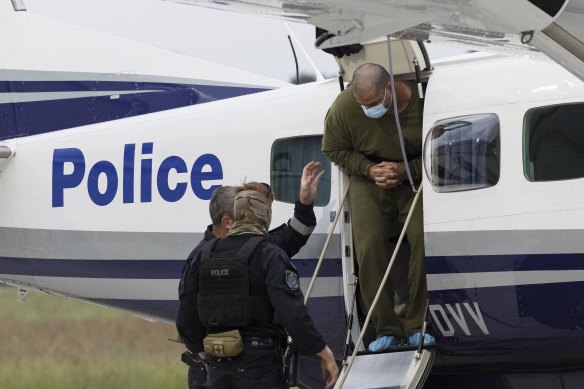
(361, 137)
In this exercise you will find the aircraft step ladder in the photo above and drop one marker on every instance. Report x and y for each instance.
(402, 368)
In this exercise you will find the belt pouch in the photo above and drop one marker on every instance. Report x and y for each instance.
(227, 344)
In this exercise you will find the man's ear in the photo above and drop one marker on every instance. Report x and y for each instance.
(227, 222)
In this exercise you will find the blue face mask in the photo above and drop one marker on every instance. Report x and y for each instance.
(377, 111)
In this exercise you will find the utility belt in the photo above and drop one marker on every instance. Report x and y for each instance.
(260, 342)
(230, 344)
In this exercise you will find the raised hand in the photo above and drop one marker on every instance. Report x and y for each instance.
(309, 182)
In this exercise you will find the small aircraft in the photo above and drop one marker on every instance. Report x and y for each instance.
(108, 159)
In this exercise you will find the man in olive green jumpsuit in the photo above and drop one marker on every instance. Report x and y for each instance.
(361, 137)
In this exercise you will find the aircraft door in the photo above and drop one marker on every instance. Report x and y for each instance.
(405, 55)
(402, 367)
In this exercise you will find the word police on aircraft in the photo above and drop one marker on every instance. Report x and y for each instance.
(206, 167)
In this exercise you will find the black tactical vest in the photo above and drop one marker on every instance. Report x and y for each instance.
(224, 299)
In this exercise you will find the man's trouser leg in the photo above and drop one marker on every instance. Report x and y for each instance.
(370, 217)
(417, 272)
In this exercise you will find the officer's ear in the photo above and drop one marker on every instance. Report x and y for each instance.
(227, 222)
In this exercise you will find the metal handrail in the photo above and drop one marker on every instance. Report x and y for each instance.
(326, 243)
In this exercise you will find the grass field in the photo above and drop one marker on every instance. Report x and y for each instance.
(56, 342)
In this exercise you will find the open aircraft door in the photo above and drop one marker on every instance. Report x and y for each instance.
(405, 367)
(405, 54)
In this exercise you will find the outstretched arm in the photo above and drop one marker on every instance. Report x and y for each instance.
(291, 237)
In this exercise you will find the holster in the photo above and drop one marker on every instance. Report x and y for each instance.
(290, 365)
(198, 369)
(227, 344)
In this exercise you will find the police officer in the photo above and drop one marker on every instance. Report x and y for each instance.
(243, 287)
(291, 237)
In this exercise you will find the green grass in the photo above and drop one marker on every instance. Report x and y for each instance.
(56, 342)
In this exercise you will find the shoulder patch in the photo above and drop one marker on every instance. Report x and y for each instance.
(292, 280)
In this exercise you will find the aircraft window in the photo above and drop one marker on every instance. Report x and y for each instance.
(289, 156)
(553, 145)
(463, 153)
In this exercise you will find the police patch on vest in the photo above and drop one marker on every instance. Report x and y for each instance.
(292, 280)
(219, 272)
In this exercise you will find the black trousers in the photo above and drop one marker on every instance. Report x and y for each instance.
(257, 367)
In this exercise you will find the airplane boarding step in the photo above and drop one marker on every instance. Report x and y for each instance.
(393, 370)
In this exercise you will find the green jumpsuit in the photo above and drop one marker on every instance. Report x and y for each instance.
(353, 141)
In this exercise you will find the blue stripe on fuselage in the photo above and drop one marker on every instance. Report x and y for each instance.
(93, 268)
(38, 117)
(130, 268)
(99, 85)
(500, 263)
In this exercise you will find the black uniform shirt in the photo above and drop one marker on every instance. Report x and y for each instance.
(270, 273)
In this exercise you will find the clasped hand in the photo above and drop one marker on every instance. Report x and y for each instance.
(387, 175)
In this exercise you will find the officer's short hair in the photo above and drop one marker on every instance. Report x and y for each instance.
(368, 75)
(260, 187)
(221, 204)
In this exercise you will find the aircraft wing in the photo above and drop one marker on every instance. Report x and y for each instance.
(515, 27)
